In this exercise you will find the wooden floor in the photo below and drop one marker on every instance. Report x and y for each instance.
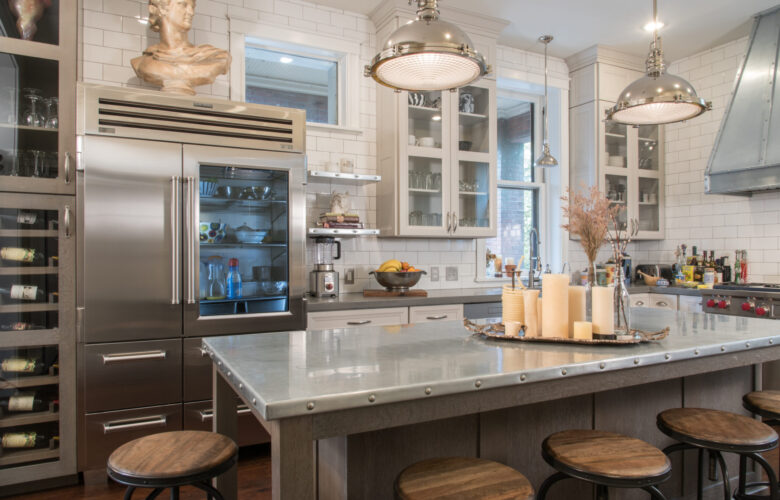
(254, 482)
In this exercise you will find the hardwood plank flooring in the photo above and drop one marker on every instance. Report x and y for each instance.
(254, 482)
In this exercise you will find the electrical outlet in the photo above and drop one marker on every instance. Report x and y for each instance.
(435, 273)
(349, 276)
(451, 273)
(346, 165)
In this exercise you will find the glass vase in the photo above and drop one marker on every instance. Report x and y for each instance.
(622, 305)
(589, 284)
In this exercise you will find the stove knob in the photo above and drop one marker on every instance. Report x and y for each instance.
(747, 306)
(723, 304)
(328, 286)
(761, 311)
(711, 303)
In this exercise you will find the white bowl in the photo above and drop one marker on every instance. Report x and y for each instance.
(252, 237)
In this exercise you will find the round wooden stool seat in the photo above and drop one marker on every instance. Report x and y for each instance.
(717, 430)
(608, 455)
(462, 478)
(764, 403)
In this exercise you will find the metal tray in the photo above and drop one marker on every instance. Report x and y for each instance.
(495, 331)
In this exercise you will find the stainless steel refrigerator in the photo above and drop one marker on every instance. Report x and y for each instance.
(192, 215)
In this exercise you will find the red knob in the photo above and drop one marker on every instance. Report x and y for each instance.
(711, 303)
(328, 286)
(723, 304)
(760, 311)
(746, 306)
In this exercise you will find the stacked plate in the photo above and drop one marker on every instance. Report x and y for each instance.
(616, 161)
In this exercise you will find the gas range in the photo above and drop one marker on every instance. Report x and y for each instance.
(756, 300)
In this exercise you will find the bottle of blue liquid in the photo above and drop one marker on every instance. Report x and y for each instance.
(233, 280)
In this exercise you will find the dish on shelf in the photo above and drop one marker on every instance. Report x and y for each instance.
(273, 287)
(245, 234)
(212, 232)
(208, 187)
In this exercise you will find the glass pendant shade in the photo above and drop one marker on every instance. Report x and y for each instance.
(427, 54)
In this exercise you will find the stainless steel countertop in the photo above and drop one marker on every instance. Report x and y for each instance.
(449, 296)
(286, 374)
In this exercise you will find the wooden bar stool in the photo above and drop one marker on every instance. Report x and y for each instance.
(765, 404)
(605, 459)
(462, 478)
(171, 460)
(719, 431)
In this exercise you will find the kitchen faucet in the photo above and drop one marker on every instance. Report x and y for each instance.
(535, 262)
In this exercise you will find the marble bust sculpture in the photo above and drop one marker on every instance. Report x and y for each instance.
(175, 63)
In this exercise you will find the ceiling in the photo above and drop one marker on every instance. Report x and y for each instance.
(691, 26)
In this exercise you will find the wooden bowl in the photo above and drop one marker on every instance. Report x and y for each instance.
(650, 280)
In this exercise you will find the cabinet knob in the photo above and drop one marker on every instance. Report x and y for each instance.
(761, 311)
(723, 304)
(747, 306)
(711, 303)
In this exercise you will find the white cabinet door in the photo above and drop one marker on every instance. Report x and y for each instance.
(357, 317)
(690, 303)
(663, 301)
(640, 300)
(425, 314)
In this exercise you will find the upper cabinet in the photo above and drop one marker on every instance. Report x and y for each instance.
(437, 159)
(625, 162)
(37, 88)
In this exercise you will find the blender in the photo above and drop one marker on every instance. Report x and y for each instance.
(324, 281)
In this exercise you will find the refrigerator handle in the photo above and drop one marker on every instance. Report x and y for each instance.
(175, 239)
(189, 234)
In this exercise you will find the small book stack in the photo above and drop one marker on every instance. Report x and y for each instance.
(340, 221)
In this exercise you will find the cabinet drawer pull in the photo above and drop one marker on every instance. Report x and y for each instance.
(66, 167)
(208, 414)
(640, 303)
(66, 220)
(662, 304)
(134, 423)
(357, 323)
(133, 356)
(441, 316)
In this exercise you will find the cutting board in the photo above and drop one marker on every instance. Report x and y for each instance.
(387, 293)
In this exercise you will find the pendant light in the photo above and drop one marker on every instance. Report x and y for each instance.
(547, 159)
(427, 54)
(657, 97)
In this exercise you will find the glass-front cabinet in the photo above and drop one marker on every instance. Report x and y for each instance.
(438, 165)
(37, 402)
(631, 166)
(37, 87)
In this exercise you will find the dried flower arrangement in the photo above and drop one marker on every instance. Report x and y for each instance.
(589, 215)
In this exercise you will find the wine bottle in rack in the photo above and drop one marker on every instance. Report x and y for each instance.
(21, 220)
(20, 326)
(23, 366)
(23, 255)
(25, 293)
(23, 402)
(26, 440)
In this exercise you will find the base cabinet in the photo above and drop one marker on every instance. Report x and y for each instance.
(326, 320)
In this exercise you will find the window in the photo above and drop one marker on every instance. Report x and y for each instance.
(299, 78)
(518, 197)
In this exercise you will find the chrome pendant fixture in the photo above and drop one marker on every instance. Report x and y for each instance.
(427, 54)
(547, 159)
(658, 97)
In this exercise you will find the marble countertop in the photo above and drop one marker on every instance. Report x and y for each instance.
(447, 296)
(286, 374)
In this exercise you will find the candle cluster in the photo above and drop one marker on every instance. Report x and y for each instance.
(560, 312)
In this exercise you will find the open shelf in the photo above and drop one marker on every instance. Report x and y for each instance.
(324, 176)
(34, 307)
(34, 381)
(30, 233)
(222, 203)
(611, 134)
(432, 191)
(429, 109)
(321, 231)
(242, 245)
(25, 456)
(21, 270)
(471, 118)
(39, 417)
(423, 152)
(472, 193)
(242, 299)
(27, 127)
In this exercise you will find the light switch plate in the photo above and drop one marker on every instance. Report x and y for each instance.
(451, 273)
(349, 276)
(435, 273)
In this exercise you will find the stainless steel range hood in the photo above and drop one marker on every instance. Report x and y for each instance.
(746, 155)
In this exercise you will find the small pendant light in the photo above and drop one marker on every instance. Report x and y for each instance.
(427, 54)
(547, 159)
(657, 97)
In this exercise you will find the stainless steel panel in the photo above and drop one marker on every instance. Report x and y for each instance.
(105, 432)
(199, 416)
(132, 374)
(197, 371)
(128, 239)
(294, 319)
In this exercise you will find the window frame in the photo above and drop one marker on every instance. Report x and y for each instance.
(538, 185)
(345, 52)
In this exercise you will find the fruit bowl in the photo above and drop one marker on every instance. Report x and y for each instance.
(398, 281)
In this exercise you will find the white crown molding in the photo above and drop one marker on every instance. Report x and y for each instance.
(606, 55)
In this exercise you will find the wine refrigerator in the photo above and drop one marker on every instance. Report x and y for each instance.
(192, 218)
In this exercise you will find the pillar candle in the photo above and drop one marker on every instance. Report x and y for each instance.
(555, 309)
(539, 317)
(583, 330)
(530, 298)
(603, 310)
(512, 305)
(576, 306)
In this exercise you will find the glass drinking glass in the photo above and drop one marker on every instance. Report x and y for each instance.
(37, 163)
(32, 116)
(52, 105)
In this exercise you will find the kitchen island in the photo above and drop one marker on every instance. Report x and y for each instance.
(347, 409)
